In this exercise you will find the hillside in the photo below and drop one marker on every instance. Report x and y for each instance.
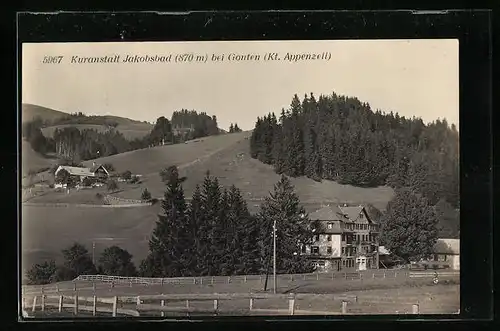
(228, 158)
(33, 161)
(29, 112)
(131, 129)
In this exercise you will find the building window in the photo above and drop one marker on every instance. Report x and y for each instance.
(316, 237)
(361, 215)
(329, 238)
(329, 225)
(343, 236)
(315, 250)
(329, 250)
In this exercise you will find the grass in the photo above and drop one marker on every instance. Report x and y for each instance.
(383, 296)
(32, 161)
(45, 231)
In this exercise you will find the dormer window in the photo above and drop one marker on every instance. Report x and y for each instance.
(329, 226)
(361, 215)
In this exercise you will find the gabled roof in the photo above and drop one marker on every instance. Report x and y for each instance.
(76, 171)
(354, 212)
(328, 213)
(447, 246)
(97, 166)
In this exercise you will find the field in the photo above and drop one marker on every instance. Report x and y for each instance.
(46, 230)
(33, 161)
(391, 295)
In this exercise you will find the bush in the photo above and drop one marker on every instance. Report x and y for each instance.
(112, 185)
(41, 274)
(127, 175)
(134, 180)
(146, 195)
(109, 167)
(87, 182)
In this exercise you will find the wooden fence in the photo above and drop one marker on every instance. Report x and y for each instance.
(137, 307)
(371, 274)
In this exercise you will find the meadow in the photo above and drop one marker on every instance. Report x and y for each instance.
(391, 295)
(130, 130)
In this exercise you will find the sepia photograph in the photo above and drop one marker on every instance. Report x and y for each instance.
(239, 178)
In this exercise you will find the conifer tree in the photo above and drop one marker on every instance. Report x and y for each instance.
(293, 228)
(169, 246)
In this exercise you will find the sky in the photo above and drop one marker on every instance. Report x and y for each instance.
(411, 77)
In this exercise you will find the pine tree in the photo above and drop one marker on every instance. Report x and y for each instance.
(409, 226)
(169, 253)
(198, 229)
(231, 128)
(210, 228)
(293, 228)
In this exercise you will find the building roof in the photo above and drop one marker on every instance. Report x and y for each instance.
(97, 166)
(76, 171)
(328, 213)
(352, 212)
(447, 246)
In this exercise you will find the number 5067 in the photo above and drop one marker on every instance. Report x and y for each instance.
(52, 59)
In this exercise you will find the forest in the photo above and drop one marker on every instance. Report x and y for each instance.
(340, 138)
(79, 145)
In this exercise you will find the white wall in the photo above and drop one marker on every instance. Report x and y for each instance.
(336, 245)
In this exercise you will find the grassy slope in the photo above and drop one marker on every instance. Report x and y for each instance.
(32, 160)
(130, 128)
(228, 158)
(47, 230)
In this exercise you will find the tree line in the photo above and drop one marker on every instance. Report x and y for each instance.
(214, 234)
(77, 145)
(340, 138)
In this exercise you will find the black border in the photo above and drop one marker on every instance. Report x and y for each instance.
(471, 27)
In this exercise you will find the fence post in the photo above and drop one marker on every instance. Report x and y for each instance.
(251, 303)
(93, 287)
(201, 280)
(94, 306)
(61, 299)
(34, 304)
(138, 300)
(317, 276)
(216, 306)
(345, 275)
(194, 280)
(74, 287)
(291, 304)
(344, 307)
(187, 303)
(43, 300)
(76, 303)
(163, 305)
(130, 283)
(384, 273)
(245, 279)
(373, 275)
(57, 288)
(115, 302)
(212, 280)
(112, 284)
(395, 274)
(162, 282)
(415, 309)
(229, 279)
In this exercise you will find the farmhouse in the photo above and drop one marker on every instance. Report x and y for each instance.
(98, 172)
(447, 251)
(346, 238)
